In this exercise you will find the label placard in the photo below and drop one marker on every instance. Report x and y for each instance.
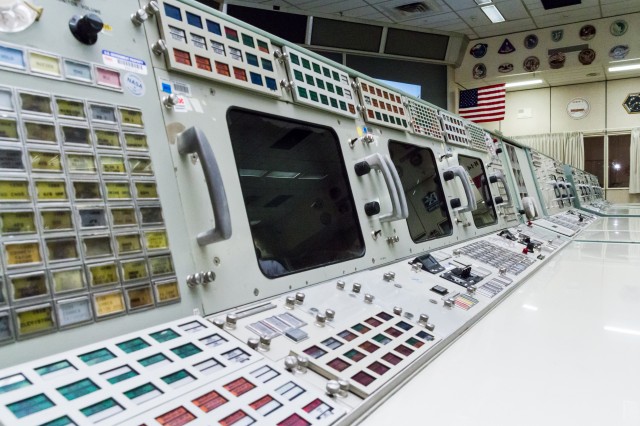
(135, 141)
(118, 190)
(87, 190)
(40, 104)
(40, 132)
(112, 164)
(103, 113)
(23, 253)
(131, 117)
(13, 58)
(28, 286)
(146, 190)
(8, 129)
(77, 135)
(107, 138)
(77, 71)
(92, 218)
(161, 265)
(14, 190)
(45, 64)
(108, 303)
(74, 311)
(67, 280)
(103, 274)
(78, 163)
(129, 243)
(123, 217)
(70, 108)
(139, 297)
(100, 246)
(48, 161)
(62, 249)
(135, 270)
(167, 291)
(156, 240)
(56, 220)
(140, 166)
(151, 215)
(17, 222)
(51, 190)
(35, 320)
(11, 159)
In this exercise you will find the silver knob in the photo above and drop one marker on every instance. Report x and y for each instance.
(448, 303)
(332, 388)
(290, 302)
(231, 321)
(340, 285)
(139, 17)
(502, 271)
(303, 363)
(397, 310)
(471, 289)
(457, 252)
(208, 277)
(356, 287)
(429, 326)
(330, 314)
(170, 101)
(344, 387)
(152, 8)
(368, 298)
(320, 319)
(389, 276)
(416, 267)
(299, 298)
(290, 363)
(265, 343)
(159, 47)
(191, 280)
(368, 138)
(424, 319)
(253, 342)
(218, 322)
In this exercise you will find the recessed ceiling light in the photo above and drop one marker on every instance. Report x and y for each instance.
(481, 2)
(493, 13)
(523, 83)
(624, 68)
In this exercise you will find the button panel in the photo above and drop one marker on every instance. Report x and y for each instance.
(382, 106)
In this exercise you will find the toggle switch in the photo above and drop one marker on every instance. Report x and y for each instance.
(265, 344)
(389, 276)
(253, 342)
(340, 285)
(159, 47)
(290, 302)
(321, 319)
(356, 287)
(330, 314)
(290, 363)
(300, 298)
(332, 388)
(139, 16)
(368, 298)
(397, 310)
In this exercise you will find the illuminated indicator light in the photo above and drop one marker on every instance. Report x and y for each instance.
(326, 72)
(143, 393)
(67, 280)
(222, 69)
(369, 347)
(86, 190)
(136, 141)
(13, 58)
(6, 332)
(306, 64)
(333, 103)
(17, 222)
(187, 350)
(330, 87)
(294, 420)
(8, 129)
(134, 270)
(395, 109)
(240, 74)
(151, 215)
(389, 107)
(176, 417)
(14, 190)
(403, 350)
(29, 286)
(386, 95)
(167, 291)
(313, 95)
(294, 58)
(172, 12)
(118, 190)
(203, 63)
(213, 340)
(263, 46)
(122, 217)
(248, 41)
(62, 249)
(393, 332)
(404, 123)
(256, 78)
(139, 298)
(363, 378)
(10, 383)
(112, 164)
(103, 113)
(336, 76)
(30, 405)
(96, 357)
(177, 34)
(111, 303)
(100, 246)
(57, 367)
(164, 335)
(324, 100)
(154, 359)
(209, 401)
(378, 115)
(354, 355)
(271, 83)
(253, 60)
(45, 64)
(69, 108)
(265, 405)
(108, 78)
(182, 57)
(213, 27)
(218, 48)
(133, 345)
(140, 166)
(239, 386)
(77, 71)
(316, 68)
(76, 135)
(161, 265)
(364, 87)
(49, 161)
(378, 368)
(56, 220)
(404, 325)
(338, 364)
(425, 336)
(320, 83)
(156, 240)
(339, 91)
(35, 103)
(309, 79)
(302, 92)
(41, 132)
(315, 352)
(51, 190)
(239, 417)
(102, 410)
(343, 105)
(194, 20)
(235, 54)
(332, 343)
(375, 103)
(415, 342)
(231, 34)
(267, 64)
(60, 421)
(378, 92)
(78, 389)
(107, 138)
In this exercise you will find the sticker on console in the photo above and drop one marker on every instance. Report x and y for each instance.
(134, 84)
(124, 62)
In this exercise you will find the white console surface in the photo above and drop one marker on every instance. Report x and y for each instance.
(613, 229)
(562, 349)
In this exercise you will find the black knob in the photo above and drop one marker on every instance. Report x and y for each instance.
(362, 168)
(448, 175)
(372, 208)
(86, 28)
(455, 203)
(498, 150)
(521, 211)
(493, 179)
(498, 200)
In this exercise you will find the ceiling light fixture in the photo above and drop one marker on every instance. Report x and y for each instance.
(624, 68)
(482, 2)
(523, 83)
(493, 14)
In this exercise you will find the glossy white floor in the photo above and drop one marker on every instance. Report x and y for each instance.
(562, 350)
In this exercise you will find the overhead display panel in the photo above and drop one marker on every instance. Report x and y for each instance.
(382, 106)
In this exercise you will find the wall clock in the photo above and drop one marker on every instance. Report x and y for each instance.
(632, 103)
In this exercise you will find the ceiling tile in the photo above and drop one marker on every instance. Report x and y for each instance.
(367, 13)
(474, 17)
(428, 21)
(333, 6)
(505, 27)
(512, 10)
(461, 4)
(568, 17)
(620, 8)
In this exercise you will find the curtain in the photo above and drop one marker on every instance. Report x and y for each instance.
(565, 147)
(634, 156)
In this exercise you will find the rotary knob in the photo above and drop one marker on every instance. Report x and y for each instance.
(299, 298)
(86, 28)
(424, 319)
(340, 285)
(356, 287)
(253, 342)
(290, 363)
(332, 388)
(290, 302)
(264, 343)
(330, 314)
(231, 321)
(397, 310)
(368, 298)
(321, 319)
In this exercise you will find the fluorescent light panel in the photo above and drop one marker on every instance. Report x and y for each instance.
(624, 68)
(482, 2)
(523, 83)
(493, 13)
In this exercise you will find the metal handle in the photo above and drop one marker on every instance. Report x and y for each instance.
(404, 210)
(500, 176)
(377, 162)
(464, 177)
(193, 140)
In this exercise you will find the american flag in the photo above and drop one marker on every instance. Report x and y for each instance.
(483, 104)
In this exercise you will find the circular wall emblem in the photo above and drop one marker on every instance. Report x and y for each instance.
(531, 41)
(578, 108)
(479, 71)
(532, 63)
(587, 32)
(587, 56)
(619, 52)
(619, 27)
(478, 50)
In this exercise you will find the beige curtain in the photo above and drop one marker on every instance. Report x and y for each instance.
(566, 147)
(634, 175)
